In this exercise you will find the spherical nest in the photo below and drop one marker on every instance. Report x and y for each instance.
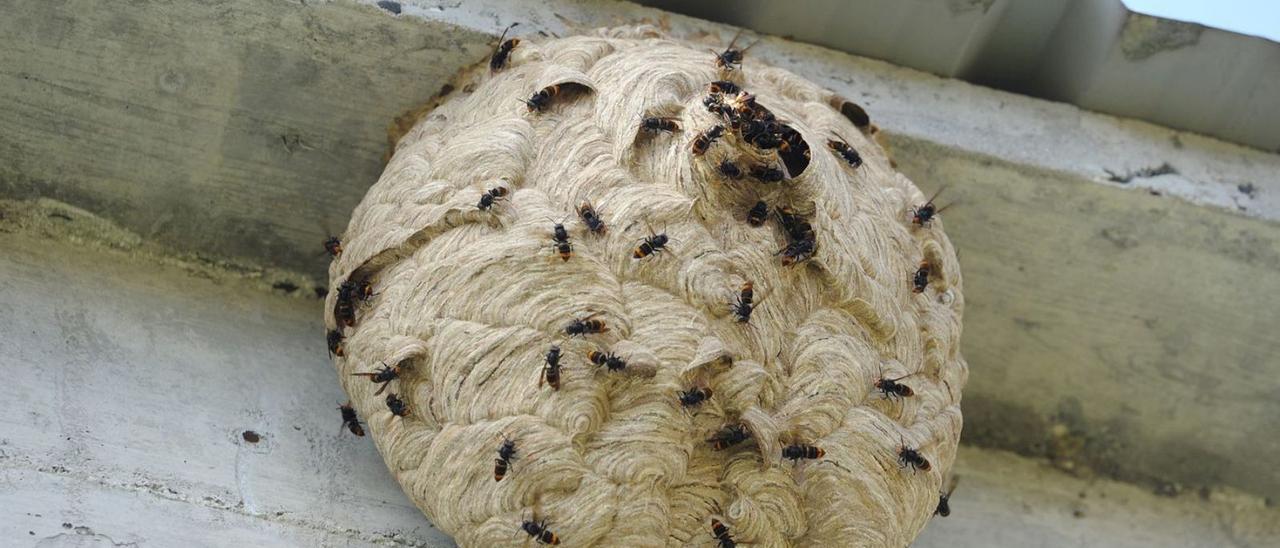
(624, 291)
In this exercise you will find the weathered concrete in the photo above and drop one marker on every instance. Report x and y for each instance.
(1180, 74)
(1136, 340)
(1004, 500)
(973, 119)
(1097, 54)
(194, 124)
(1125, 344)
(128, 387)
(130, 383)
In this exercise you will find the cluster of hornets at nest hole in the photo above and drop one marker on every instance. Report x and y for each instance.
(755, 125)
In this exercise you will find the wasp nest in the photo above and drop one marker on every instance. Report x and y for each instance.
(622, 291)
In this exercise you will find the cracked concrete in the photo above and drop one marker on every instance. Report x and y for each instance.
(79, 537)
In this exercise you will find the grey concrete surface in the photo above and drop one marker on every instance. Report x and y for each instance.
(1179, 74)
(194, 124)
(128, 387)
(1138, 344)
(968, 118)
(130, 383)
(943, 37)
(1120, 275)
(1005, 500)
(1096, 54)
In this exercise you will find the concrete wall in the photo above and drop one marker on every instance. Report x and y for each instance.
(1120, 275)
(129, 385)
(130, 381)
(1114, 331)
(195, 124)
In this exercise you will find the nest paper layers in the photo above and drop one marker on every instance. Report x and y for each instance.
(462, 301)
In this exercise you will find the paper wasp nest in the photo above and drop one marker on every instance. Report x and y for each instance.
(462, 297)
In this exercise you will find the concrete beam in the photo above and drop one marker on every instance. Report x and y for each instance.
(129, 385)
(195, 124)
(1004, 500)
(1116, 332)
(1097, 54)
